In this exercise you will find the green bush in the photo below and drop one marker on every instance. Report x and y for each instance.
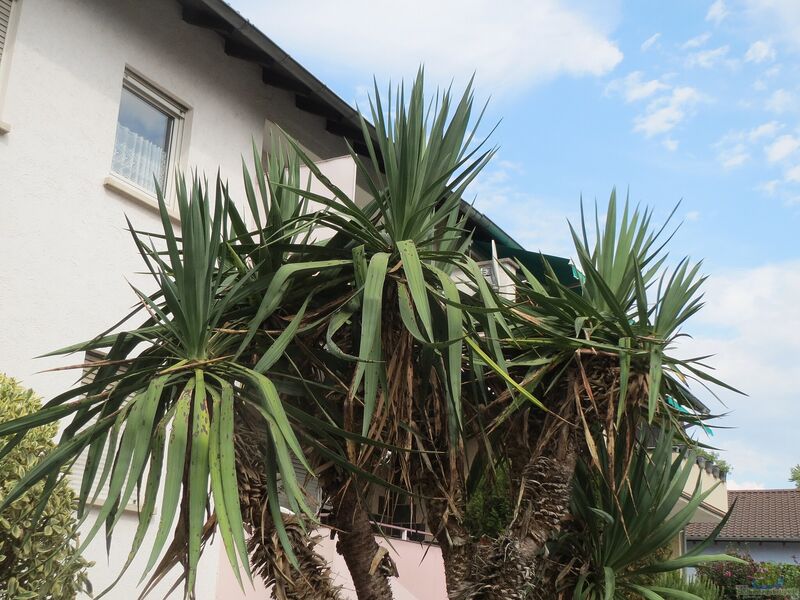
(43, 561)
(699, 585)
(489, 508)
(727, 575)
(775, 573)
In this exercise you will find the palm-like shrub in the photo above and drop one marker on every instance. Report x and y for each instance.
(700, 586)
(623, 516)
(43, 558)
(345, 352)
(595, 364)
(360, 359)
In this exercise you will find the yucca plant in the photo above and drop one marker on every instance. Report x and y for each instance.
(392, 340)
(164, 401)
(345, 352)
(597, 355)
(376, 358)
(623, 517)
(698, 585)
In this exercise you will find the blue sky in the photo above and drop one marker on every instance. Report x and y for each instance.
(692, 100)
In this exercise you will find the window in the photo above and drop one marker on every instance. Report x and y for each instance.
(488, 272)
(5, 20)
(8, 17)
(149, 131)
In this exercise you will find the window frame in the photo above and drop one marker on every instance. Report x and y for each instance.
(178, 112)
(6, 57)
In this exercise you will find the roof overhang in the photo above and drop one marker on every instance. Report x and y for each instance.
(245, 41)
(705, 513)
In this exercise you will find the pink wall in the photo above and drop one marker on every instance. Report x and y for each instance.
(420, 567)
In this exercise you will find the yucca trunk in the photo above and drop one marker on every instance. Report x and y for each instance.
(268, 558)
(542, 454)
(514, 566)
(369, 563)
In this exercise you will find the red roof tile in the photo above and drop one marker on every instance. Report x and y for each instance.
(758, 515)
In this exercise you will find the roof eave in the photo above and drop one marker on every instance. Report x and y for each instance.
(244, 40)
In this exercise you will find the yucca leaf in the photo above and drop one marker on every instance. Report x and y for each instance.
(370, 344)
(228, 478)
(646, 593)
(279, 345)
(278, 287)
(198, 476)
(416, 284)
(673, 593)
(654, 381)
(487, 359)
(173, 479)
(217, 489)
(455, 331)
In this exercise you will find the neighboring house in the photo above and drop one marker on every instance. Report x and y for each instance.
(764, 523)
(713, 508)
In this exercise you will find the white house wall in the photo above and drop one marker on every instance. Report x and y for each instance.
(65, 252)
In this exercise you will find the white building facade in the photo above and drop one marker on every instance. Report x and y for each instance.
(95, 97)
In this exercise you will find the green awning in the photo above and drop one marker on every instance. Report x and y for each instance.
(533, 261)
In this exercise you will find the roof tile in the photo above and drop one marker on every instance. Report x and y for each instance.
(759, 515)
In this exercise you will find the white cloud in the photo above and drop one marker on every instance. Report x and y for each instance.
(773, 71)
(734, 156)
(671, 144)
(696, 41)
(649, 42)
(765, 130)
(707, 59)
(665, 113)
(760, 51)
(717, 12)
(632, 87)
(509, 44)
(533, 221)
(734, 148)
(781, 18)
(793, 175)
(781, 148)
(748, 324)
(780, 101)
(768, 187)
(692, 215)
(734, 484)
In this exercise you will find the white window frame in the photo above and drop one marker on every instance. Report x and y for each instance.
(5, 59)
(178, 112)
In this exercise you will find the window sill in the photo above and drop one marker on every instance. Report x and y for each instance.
(4, 128)
(131, 192)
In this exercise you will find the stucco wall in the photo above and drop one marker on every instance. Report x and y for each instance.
(716, 503)
(65, 252)
(420, 567)
(718, 498)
